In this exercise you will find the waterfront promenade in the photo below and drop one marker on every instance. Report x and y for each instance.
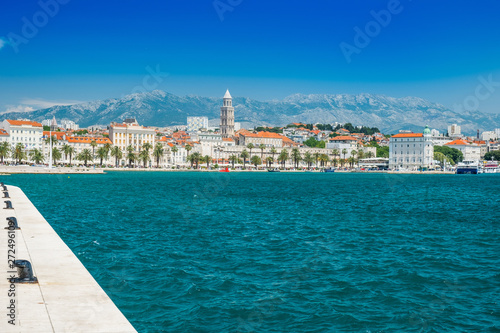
(66, 297)
(9, 169)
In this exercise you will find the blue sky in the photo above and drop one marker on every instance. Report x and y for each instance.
(86, 50)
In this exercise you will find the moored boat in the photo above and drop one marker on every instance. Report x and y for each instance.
(468, 167)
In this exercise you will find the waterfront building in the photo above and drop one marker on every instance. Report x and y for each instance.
(194, 124)
(267, 139)
(378, 163)
(130, 133)
(349, 143)
(227, 116)
(454, 131)
(470, 151)
(411, 151)
(28, 133)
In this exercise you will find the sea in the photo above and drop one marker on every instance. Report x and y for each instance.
(284, 252)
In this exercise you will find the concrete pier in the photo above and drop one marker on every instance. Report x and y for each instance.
(66, 297)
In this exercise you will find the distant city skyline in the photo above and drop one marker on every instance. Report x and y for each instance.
(64, 52)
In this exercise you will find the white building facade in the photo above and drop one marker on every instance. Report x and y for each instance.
(411, 151)
(28, 133)
(470, 151)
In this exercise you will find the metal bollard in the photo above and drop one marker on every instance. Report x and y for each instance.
(8, 205)
(4, 188)
(24, 272)
(12, 223)
(6, 195)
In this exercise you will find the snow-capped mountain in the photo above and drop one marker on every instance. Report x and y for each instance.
(158, 108)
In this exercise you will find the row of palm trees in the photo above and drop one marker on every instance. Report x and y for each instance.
(19, 153)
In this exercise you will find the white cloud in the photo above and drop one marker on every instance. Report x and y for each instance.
(18, 108)
(43, 104)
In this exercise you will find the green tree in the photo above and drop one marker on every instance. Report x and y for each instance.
(296, 156)
(93, 144)
(207, 159)
(492, 155)
(147, 146)
(244, 155)
(283, 157)
(144, 157)
(250, 146)
(383, 152)
(256, 160)
(324, 159)
(269, 161)
(188, 149)
(18, 153)
(56, 155)
(85, 156)
(309, 159)
(316, 158)
(262, 147)
(369, 154)
(273, 152)
(195, 158)
(66, 149)
(130, 155)
(4, 150)
(442, 159)
(174, 151)
(158, 153)
(233, 158)
(344, 152)
(453, 153)
(116, 152)
(102, 153)
(37, 156)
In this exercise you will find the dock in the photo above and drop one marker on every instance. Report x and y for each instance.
(65, 297)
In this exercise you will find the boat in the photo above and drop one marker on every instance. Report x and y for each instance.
(273, 170)
(224, 170)
(329, 170)
(490, 167)
(468, 167)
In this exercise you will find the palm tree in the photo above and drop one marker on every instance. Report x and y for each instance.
(195, 158)
(56, 155)
(283, 157)
(93, 144)
(335, 153)
(309, 159)
(316, 158)
(65, 149)
(117, 153)
(269, 161)
(244, 155)
(262, 147)
(250, 146)
(207, 160)
(85, 156)
(361, 154)
(174, 150)
(233, 158)
(158, 153)
(353, 160)
(344, 152)
(18, 153)
(188, 149)
(102, 153)
(144, 157)
(256, 160)
(36, 155)
(324, 159)
(369, 154)
(4, 150)
(273, 151)
(296, 156)
(130, 155)
(147, 146)
(48, 140)
(108, 147)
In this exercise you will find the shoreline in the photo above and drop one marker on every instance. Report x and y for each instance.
(8, 170)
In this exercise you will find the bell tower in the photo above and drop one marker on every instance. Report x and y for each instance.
(227, 116)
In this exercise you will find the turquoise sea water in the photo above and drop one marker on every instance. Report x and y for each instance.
(280, 252)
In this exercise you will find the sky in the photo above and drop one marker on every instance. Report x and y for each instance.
(70, 51)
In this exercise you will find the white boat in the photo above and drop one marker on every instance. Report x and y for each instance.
(468, 167)
(490, 167)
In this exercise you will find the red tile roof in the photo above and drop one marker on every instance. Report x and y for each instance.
(343, 138)
(458, 142)
(408, 135)
(3, 132)
(24, 122)
(58, 135)
(85, 139)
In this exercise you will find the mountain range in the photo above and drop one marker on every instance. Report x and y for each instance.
(159, 108)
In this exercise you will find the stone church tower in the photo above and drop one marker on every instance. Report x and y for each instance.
(227, 116)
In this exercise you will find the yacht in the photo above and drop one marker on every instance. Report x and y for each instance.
(490, 167)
